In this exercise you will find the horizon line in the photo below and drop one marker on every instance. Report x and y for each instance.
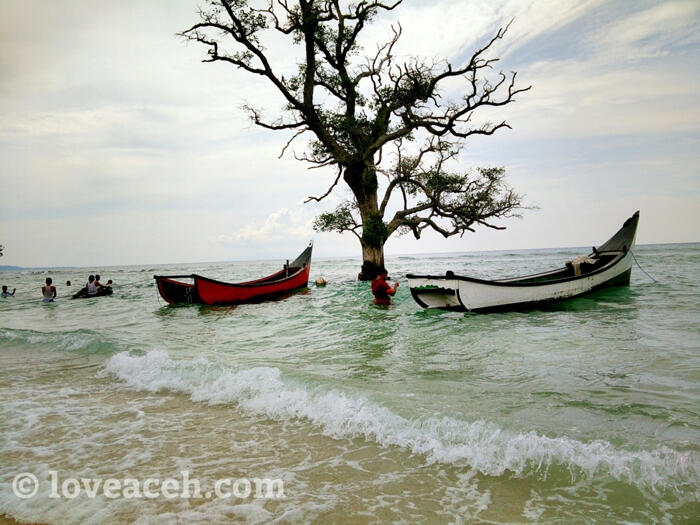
(70, 267)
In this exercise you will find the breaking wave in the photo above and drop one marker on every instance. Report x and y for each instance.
(480, 445)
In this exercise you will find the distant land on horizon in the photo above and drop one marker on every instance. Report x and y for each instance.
(7, 268)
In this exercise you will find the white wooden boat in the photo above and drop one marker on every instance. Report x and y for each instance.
(608, 265)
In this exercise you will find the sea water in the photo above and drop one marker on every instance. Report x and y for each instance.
(584, 411)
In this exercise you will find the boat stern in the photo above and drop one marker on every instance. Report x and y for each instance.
(435, 292)
(176, 292)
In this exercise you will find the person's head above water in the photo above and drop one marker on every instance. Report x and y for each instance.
(4, 288)
(383, 272)
(91, 278)
(97, 276)
(48, 280)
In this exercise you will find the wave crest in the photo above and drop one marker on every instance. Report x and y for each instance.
(480, 445)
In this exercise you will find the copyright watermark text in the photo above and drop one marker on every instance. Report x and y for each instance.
(26, 485)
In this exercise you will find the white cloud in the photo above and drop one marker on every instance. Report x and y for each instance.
(583, 98)
(651, 32)
(283, 224)
(447, 29)
(616, 83)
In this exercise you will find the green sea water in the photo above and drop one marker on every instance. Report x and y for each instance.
(586, 411)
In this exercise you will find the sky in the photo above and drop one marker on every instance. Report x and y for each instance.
(119, 146)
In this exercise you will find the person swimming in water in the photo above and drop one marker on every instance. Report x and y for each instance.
(5, 293)
(48, 291)
(381, 289)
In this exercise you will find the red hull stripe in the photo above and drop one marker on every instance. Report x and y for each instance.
(213, 292)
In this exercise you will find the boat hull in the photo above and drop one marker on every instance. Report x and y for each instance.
(215, 292)
(609, 265)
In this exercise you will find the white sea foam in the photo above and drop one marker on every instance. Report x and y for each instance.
(481, 445)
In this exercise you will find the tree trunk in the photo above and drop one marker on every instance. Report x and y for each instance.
(362, 180)
(372, 261)
(373, 234)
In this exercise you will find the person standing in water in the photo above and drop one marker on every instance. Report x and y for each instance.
(5, 293)
(49, 291)
(381, 289)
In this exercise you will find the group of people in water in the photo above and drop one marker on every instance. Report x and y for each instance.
(94, 287)
(48, 291)
(381, 289)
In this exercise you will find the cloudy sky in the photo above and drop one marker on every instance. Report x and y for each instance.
(118, 146)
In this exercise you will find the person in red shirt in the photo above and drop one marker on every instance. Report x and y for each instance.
(381, 289)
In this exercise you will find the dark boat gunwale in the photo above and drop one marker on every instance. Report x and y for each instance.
(285, 274)
(262, 280)
(259, 282)
(519, 283)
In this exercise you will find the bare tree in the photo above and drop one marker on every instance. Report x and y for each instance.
(356, 108)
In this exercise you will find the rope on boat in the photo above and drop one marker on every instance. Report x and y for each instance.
(640, 267)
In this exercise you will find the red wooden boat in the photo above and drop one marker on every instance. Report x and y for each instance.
(204, 290)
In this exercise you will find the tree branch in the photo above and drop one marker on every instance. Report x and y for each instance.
(354, 109)
(335, 182)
